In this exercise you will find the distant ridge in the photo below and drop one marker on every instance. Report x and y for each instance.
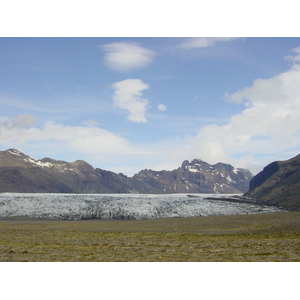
(278, 184)
(23, 174)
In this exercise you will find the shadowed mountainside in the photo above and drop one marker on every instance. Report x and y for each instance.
(278, 184)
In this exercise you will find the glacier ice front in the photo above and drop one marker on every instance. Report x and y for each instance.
(121, 206)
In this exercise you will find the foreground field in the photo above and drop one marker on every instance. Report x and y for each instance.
(262, 237)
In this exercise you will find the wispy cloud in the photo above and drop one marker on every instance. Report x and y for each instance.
(124, 56)
(91, 123)
(68, 104)
(161, 107)
(128, 96)
(205, 42)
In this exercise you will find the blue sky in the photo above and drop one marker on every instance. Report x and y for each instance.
(125, 104)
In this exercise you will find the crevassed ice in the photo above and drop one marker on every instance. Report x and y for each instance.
(121, 206)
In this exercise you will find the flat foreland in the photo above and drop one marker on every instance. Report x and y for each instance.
(255, 237)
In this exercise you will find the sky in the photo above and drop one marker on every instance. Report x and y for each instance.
(130, 103)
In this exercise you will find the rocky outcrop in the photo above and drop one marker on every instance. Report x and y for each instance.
(278, 184)
(21, 173)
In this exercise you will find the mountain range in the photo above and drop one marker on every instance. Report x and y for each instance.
(23, 174)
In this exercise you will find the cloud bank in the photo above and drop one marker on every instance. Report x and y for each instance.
(78, 138)
(95, 145)
(128, 96)
(124, 57)
(266, 129)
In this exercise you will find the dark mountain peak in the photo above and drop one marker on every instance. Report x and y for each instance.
(82, 165)
(14, 151)
(14, 158)
(195, 164)
(222, 167)
(198, 165)
(197, 176)
(52, 161)
(277, 169)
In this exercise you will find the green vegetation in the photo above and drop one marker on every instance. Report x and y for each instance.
(262, 237)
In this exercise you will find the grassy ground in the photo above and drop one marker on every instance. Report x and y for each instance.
(262, 237)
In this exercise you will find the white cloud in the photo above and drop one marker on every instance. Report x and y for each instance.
(205, 42)
(91, 140)
(267, 128)
(294, 58)
(128, 96)
(20, 121)
(16, 129)
(161, 107)
(124, 57)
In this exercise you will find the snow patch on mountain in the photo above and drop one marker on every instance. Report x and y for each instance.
(191, 169)
(236, 171)
(14, 152)
(228, 178)
(39, 163)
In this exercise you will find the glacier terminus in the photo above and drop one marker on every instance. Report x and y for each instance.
(124, 206)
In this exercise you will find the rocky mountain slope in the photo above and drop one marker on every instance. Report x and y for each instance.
(21, 173)
(278, 184)
(198, 176)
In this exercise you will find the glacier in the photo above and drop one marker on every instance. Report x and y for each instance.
(123, 206)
